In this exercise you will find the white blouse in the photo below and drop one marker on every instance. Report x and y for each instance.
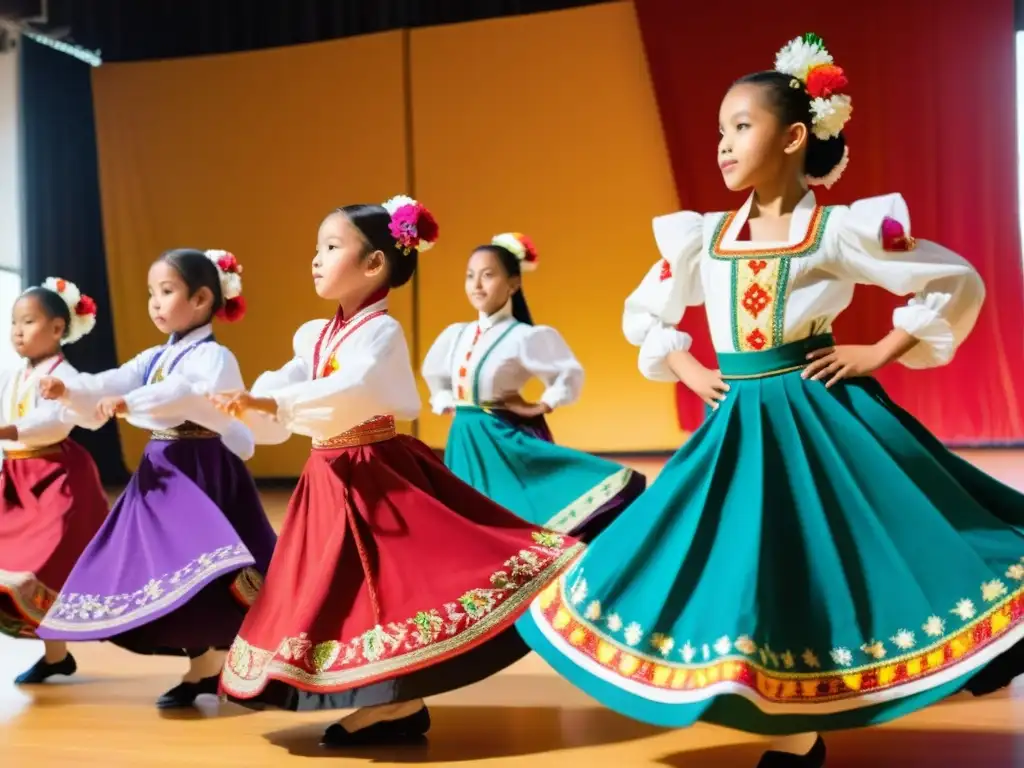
(40, 422)
(484, 362)
(166, 386)
(759, 295)
(362, 371)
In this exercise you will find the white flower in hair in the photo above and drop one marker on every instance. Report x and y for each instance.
(800, 55)
(229, 271)
(520, 246)
(510, 243)
(397, 202)
(65, 289)
(81, 308)
(830, 115)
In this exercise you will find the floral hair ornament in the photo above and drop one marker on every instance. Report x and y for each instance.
(520, 246)
(412, 225)
(82, 307)
(230, 273)
(807, 60)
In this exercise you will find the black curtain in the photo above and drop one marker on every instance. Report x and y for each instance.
(129, 30)
(62, 225)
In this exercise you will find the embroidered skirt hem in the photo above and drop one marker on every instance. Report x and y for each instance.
(811, 559)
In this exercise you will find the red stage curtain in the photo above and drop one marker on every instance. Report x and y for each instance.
(933, 86)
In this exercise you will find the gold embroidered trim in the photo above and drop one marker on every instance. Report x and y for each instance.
(375, 430)
(776, 678)
(248, 669)
(811, 241)
(588, 503)
(185, 431)
(32, 453)
(75, 612)
(247, 585)
(765, 374)
(31, 598)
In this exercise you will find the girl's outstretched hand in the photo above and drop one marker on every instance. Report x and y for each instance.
(237, 403)
(109, 407)
(51, 388)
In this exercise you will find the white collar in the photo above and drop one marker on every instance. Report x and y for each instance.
(44, 367)
(486, 322)
(377, 306)
(798, 225)
(196, 334)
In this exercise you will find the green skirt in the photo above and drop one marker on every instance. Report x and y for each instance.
(809, 560)
(514, 462)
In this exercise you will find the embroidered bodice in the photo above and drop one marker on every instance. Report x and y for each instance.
(483, 362)
(759, 295)
(40, 422)
(167, 386)
(341, 375)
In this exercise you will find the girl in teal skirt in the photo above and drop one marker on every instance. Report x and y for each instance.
(812, 558)
(499, 443)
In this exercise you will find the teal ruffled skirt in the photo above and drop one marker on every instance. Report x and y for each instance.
(811, 559)
(514, 462)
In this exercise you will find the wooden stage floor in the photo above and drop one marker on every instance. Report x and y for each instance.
(526, 716)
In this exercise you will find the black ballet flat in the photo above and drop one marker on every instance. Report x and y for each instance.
(405, 730)
(813, 759)
(185, 694)
(42, 670)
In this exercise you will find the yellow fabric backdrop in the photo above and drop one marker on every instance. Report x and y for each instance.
(545, 123)
(245, 152)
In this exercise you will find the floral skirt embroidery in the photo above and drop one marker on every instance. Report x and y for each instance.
(178, 561)
(51, 505)
(811, 559)
(387, 565)
(514, 462)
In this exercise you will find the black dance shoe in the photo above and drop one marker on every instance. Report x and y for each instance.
(185, 694)
(43, 670)
(405, 730)
(813, 759)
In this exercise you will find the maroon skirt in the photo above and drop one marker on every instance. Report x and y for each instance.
(51, 506)
(388, 566)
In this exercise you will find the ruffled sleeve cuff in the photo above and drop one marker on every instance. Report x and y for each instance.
(874, 246)
(441, 401)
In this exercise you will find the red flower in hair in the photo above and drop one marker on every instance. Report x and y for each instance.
(85, 306)
(228, 263)
(825, 80)
(426, 225)
(233, 310)
(528, 246)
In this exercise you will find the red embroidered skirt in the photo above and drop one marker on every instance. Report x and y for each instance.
(51, 505)
(387, 565)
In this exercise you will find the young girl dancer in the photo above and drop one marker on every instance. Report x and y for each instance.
(393, 579)
(51, 500)
(499, 443)
(812, 558)
(179, 560)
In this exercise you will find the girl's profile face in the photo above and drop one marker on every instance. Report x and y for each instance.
(754, 144)
(339, 266)
(488, 285)
(171, 309)
(33, 334)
